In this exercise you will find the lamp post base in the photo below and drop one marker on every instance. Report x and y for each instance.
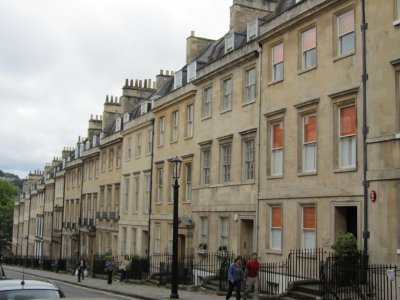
(174, 296)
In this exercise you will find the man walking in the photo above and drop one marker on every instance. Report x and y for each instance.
(251, 276)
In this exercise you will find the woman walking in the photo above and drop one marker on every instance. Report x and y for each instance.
(109, 268)
(235, 277)
(125, 267)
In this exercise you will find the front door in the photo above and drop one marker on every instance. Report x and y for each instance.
(246, 237)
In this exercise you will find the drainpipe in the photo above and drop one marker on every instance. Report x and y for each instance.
(150, 192)
(52, 217)
(259, 144)
(364, 27)
(80, 212)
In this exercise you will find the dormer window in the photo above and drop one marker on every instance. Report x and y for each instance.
(229, 42)
(178, 79)
(118, 123)
(94, 141)
(101, 135)
(191, 71)
(76, 151)
(145, 107)
(252, 30)
(126, 118)
(87, 145)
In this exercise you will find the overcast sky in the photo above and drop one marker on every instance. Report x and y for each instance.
(60, 58)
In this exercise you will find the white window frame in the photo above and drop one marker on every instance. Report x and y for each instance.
(205, 166)
(227, 94)
(189, 120)
(188, 182)
(128, 155)
(157, 241)
(278, 71)
(275, 232)
(174, 126)
(350, 34)
(161, 131)
(223, 237)
(226, 161)
(250, 85)
(136, 182)
(147, 180)
(207, 102)
(248, 159)
(119, 157)
(309, 155)
(149, 144)
(160, 179)
(126, 194)
(308, 236)
(138, 148)
(308, 56)
(276, 153)
(170, 238)
(347, 144)
(204, 230)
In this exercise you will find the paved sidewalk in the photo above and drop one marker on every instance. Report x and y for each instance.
(141, 291)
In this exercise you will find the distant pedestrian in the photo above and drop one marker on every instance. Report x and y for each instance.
(251, 276)
(109, 268)
(125, 267)
(81, 268)
(235, 277)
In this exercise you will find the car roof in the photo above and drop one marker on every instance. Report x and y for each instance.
(16, 284)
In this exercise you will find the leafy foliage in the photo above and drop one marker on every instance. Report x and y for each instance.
(8, 192)
(345, 245)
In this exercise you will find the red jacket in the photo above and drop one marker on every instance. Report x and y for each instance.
(252, 268)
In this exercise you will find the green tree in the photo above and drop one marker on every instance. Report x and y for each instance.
(8, 193)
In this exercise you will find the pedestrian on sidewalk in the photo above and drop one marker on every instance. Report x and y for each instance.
(251, 276)
(125, 267)
(109, 268)
(235, 277)
(81, 267)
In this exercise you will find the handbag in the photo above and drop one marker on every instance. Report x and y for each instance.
(85, 273)
(76, 272)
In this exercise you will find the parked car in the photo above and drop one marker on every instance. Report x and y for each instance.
(17, 289)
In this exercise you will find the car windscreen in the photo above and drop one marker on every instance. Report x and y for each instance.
(29, 294)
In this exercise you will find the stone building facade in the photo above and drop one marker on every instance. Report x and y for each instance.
(271, 122)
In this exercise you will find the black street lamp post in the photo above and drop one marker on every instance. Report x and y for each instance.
(176, 167)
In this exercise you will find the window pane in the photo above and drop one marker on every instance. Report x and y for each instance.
(276, 238)
(347, 43)
(278, 71)
(347, 120)
(346, 23)
(309, 39)
(309, 239)
(277, 162)
(348, 151)
(310, 58)
(276, 220)
(277, 130)
(310, 129)
(309, 217)
(309, 157)
(277, 53)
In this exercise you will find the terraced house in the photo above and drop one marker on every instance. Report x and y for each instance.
(289, 131)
